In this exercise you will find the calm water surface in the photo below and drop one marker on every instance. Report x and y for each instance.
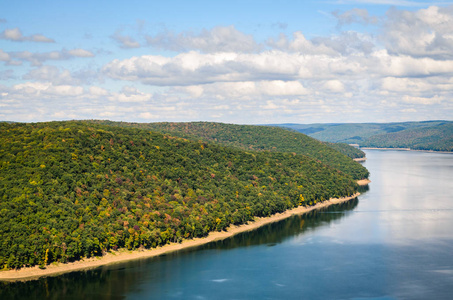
(394, 242)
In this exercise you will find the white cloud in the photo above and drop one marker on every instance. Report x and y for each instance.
(300, 44)
(44, 89)
(282, 88)
(386, 64)
(335, 86)
(58, 76)
(218, 39)
(98, 91)
(36, 59)
(245, 90)
(80, 53)
(39, 38)
(196, 68)
(64, 91)
(406, 85)
(130, 94)
(423, 33)
(423, 100)
(16, 35)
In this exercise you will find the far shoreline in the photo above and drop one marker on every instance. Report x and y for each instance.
(114, 257)
(405, 149)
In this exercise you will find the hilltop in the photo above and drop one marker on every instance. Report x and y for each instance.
(77, 189)
(261, 138)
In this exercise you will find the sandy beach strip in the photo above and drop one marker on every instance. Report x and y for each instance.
(363, 182)
(123, 255)
(359, 159)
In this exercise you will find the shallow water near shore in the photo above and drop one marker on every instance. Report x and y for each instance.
(394, 242)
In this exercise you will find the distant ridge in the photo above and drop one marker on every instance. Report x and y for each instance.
(435, 135)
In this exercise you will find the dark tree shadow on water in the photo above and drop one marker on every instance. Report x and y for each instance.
(117, 281)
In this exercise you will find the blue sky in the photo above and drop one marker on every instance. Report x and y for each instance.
(246, 62)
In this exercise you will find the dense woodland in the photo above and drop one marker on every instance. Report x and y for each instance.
(74, 189)
(346, 149)
(262, 138)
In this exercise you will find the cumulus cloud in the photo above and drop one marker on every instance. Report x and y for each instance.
(196, 68)
(245, 90)
(299, 44)
(422, 33)
(16, 35)
(385, 64)
(218, 39)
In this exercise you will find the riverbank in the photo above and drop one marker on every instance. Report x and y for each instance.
(113, 257)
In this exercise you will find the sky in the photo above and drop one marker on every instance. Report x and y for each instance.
(243, 62)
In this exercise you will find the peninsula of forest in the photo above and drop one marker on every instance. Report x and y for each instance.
(72, 190)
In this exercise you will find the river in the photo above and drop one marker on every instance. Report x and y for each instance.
(394, 242)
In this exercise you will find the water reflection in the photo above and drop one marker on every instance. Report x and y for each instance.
(278, 232)
(114, 282)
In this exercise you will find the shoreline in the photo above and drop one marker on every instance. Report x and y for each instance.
(114, 257)
(405, 149)
(360, 159)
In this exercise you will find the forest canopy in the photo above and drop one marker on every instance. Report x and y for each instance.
(262, 138)
(77, 189)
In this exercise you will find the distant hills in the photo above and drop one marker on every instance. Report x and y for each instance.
(76, 189)
(427, 135)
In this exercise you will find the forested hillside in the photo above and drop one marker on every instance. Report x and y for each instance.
(426, 135)
(75, 189)
(436, 138)
(347, 150)
(260, 138)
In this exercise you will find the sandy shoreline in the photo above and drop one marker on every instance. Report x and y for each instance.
(363, 181)
(125, 255)
(359, 159)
